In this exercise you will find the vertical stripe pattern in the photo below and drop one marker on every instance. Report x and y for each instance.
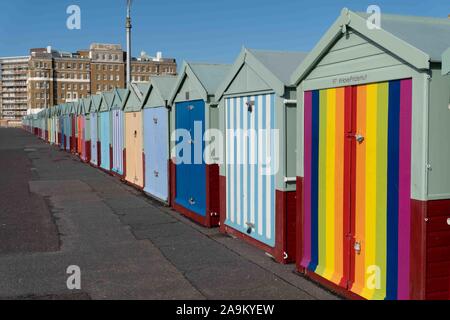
(380, 192)
(117, 140)
(251, 166)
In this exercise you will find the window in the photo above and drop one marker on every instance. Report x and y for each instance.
(111, 77)
(75, 87)
(117, 77)
(75, 95)
(69, 87)
(63, 86)
(69, 96)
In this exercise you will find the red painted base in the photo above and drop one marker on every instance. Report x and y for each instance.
(285, 239)
(99, 153)
(430, 250)
(212, 217)
(110, 158)
(87, 146)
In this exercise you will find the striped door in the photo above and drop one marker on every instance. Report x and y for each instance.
(357, 187)
(250, 183)
(94, 138)
(105, 140)
(117, 141)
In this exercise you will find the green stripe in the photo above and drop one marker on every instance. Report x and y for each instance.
(322, 180)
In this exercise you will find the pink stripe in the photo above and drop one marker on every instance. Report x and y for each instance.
(306, 259)
(404, 185)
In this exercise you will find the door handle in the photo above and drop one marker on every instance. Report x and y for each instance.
(357, 247)
(359, 138)
(250, 227)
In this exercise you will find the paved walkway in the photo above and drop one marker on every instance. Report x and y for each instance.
(56, 211)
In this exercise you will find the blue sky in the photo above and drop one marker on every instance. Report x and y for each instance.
(197, 30)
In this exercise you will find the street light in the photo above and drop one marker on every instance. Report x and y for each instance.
(128, 28)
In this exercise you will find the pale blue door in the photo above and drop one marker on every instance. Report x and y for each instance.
(156, 150)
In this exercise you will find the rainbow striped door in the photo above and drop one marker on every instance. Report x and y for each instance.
(357, 187)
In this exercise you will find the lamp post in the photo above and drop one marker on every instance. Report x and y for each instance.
(128, 28)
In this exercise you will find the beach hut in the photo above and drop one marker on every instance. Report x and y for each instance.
(195, 177)
(96, 101)
(257, 179)
(67, 124)
(373, 154)
(134, 153)
(117, 138)
(56, 116)
(83, 128)
(73, 119)
(156, 114)
(105, 131)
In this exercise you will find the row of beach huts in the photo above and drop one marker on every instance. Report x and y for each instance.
(337, 159)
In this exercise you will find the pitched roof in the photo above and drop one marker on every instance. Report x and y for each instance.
(431, 35)
(133, 101)
(107, 101)
(280, 63)
(162, 85)
(275, 67)
(119, 97)
(96, 102)
(416, 40)
(209, 77)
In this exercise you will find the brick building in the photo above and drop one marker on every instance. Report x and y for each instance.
(49, 77)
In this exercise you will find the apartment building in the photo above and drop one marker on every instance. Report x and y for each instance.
(13, 87)
(48, 77)
(145, 66)
(107, 67)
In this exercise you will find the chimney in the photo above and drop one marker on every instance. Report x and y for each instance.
(159, 56)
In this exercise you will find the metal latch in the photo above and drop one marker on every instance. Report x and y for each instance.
(359, 138)
(156, 173)
(357, 247)
(190, 108)
(155, 120)
(191, 201)
(250, 105)
(135, 133)
(448, 221)
(250, 227)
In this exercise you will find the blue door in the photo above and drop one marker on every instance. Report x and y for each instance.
(156, 150)
(191, 176)
(105, 140)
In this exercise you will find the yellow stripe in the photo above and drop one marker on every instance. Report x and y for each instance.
(371, 188)
(322, 182)
(381, 231)
(330, 186)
